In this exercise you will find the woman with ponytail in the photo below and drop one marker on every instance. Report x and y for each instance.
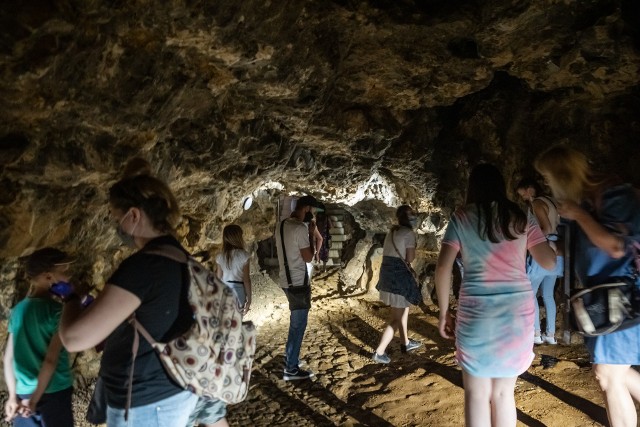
(154, 288)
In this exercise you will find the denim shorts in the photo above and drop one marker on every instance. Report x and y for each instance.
(170, 412)
(208, 412)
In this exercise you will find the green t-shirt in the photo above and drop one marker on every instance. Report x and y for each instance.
(33, 323)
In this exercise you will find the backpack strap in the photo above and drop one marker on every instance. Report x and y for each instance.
(176, 254)
(171, 252)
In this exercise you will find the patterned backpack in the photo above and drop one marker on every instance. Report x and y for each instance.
(213, 358)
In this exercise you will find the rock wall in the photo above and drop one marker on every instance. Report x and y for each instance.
(365, 104)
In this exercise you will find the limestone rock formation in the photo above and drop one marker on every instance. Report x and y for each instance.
(365, 104)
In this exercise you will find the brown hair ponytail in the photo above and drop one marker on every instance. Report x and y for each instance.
(138, 188)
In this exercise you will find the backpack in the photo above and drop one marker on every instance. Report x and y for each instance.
(213, 358)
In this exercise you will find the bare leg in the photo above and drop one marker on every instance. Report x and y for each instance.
(395, 323)
(404, 337)
(489, 401)
(503, 402)
(632, 378)
(477, 405)
(617, 394)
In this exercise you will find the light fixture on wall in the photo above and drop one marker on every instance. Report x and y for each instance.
(247, 203)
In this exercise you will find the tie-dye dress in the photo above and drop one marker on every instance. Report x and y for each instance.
(494, 325)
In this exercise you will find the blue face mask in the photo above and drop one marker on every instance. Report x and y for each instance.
(413, 221)
(62, 289)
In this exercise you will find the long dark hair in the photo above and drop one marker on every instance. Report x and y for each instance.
(231, 239)
(486, 186)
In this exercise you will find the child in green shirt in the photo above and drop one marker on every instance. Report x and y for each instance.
(36, 365)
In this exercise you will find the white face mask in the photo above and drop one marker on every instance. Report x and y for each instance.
(127, 239)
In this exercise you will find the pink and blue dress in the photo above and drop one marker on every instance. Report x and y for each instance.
(494, 324)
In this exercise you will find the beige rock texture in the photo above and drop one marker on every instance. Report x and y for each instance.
(364, 104)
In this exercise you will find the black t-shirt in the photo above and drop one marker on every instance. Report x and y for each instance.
(164, 312)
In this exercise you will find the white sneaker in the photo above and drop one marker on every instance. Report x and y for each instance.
(550, 339)
(537, 340)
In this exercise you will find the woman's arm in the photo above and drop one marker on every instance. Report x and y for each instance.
(544, 255)
(319, 239)
(612, 244)
(410, 255)
(47, 369)
(541, 211)
(83, 329)
(246, 279)
(443, 288)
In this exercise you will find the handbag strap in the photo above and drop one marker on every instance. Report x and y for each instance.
(284, 259)
(404, 261)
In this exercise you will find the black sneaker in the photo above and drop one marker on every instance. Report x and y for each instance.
(411, 346)
(297, 374)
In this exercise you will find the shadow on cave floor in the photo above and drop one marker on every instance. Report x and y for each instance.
(423, 388)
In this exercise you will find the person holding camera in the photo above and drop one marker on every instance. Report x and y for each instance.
(36, 365)
(294, 252)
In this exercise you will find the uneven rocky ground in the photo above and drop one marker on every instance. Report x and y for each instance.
(419, 389)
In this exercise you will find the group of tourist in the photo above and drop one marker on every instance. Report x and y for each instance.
(41, 331)
(507, 255)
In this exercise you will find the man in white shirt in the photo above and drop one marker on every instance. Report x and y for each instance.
(294, 280)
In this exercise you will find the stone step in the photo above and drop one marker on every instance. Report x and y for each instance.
(334, 253)
(337, 224)
(340, 237)
(336, 230)
(336, 245)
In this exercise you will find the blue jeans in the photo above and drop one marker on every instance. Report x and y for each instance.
(173, 411)
(297, 326)
(548, 283)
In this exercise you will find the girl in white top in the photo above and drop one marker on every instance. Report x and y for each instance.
(232, 265)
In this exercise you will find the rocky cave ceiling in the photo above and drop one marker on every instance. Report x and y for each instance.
(364, 104)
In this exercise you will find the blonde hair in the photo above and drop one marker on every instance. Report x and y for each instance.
(139, 189)
(567, 172)
(231, 239)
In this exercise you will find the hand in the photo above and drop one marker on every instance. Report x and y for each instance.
(447, 325)
(247, 305)
(25, 408)
(31, 404)
(11, 408)
(569, 209)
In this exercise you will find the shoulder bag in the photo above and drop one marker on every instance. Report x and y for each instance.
(299, 297)
(608, 307)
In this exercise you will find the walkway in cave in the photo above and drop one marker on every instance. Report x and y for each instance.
(419, 389)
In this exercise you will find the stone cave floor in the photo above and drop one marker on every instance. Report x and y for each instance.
(422, 388)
